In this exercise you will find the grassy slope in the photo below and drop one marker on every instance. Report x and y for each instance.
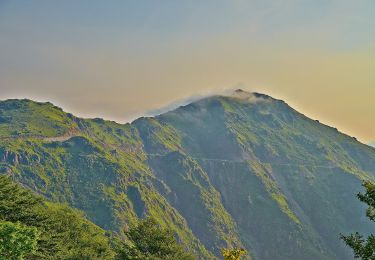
(222, 170)
(187, 187)
(101, 169)
(272, 156)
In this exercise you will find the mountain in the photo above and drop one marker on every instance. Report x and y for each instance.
(240, 170)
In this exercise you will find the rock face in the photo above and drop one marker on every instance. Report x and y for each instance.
(240, 170)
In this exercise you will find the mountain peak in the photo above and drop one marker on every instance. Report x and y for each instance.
(239, 93)
(239, 90)
(248, 96)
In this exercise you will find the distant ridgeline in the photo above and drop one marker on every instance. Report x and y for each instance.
(244, 170)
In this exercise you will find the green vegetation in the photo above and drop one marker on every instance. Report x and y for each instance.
(92, 170)
(149, 241)
(233, 254)
(43, 230)
(364, 248)
(17, 240)
(271, 186)
(32, 228)
(221, 172)
(26, 118)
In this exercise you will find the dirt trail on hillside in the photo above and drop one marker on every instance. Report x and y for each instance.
(61, 138)
(65, 137)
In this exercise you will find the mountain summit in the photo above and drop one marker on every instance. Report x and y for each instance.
(245, 95)
(237, 170)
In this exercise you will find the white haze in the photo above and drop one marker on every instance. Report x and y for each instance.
(247, 96)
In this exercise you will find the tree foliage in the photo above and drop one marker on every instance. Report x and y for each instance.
(233, 254)
(63, 233)
(17, 240)
(364, 248)
(33, 228)
(149, 241)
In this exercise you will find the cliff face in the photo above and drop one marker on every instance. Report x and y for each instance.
(241, 170)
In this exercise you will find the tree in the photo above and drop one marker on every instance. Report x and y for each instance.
(364, 248)
(149, 241)
(233, 254)
(65, 233)
(17, 240)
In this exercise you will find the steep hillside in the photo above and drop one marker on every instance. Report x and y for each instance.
(63, 233)
(241, 170)
(100, 169)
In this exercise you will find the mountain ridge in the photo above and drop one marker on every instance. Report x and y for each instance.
(224, 94)
(239, 160)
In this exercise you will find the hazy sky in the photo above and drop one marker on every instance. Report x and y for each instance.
(118, 59)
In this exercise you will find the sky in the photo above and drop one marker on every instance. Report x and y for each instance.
(120, 59)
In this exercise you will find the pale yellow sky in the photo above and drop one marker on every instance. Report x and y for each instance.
(121, 60)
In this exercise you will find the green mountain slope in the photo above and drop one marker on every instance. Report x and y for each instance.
(241, 170)
(95, 165)
(64, 232)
